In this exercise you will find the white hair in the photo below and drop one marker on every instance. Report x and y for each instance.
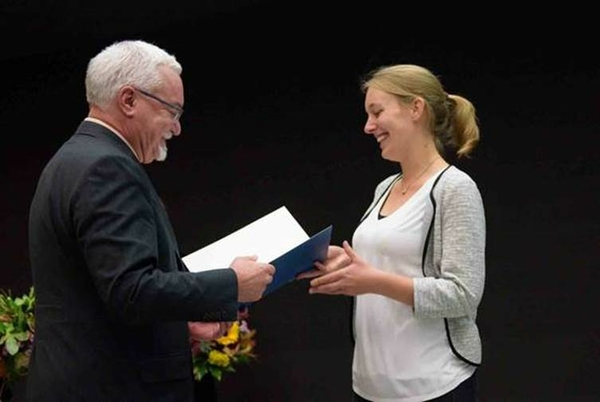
(129, 62)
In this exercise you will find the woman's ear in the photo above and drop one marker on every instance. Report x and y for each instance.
(417, 108)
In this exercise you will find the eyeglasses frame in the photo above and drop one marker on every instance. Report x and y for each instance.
(175, 110)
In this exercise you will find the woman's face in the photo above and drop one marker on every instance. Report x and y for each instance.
(390, 121)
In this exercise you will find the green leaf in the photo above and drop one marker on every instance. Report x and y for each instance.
(215, 372)
(199, 371)
(21, 336)
(244, 359)
(12, 346)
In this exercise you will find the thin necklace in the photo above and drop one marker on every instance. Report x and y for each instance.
(405, 189)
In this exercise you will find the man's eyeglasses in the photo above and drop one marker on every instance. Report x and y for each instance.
(175, 110)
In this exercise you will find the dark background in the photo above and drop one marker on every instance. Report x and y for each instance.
(274, 117)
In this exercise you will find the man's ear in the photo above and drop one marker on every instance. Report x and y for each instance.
(127, 100)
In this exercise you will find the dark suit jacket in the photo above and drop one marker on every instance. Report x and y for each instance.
(113, 295)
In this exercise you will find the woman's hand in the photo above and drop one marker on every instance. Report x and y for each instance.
(349, 275)
(336, 259)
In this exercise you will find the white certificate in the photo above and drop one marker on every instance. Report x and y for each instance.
(268, 237)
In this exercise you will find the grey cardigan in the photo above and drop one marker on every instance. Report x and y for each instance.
(453, 260)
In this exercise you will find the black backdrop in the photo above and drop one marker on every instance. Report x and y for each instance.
(274, 117)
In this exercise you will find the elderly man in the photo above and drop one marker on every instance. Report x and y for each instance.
(114, 299)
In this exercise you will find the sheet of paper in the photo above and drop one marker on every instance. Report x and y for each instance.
(268, 237)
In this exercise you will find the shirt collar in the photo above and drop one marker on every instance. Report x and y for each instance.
(115, 131)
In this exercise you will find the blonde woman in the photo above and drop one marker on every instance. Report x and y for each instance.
(417, 262)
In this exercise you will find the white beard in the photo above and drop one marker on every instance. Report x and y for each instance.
(162, 152)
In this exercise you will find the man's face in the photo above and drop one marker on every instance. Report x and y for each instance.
(162, 108)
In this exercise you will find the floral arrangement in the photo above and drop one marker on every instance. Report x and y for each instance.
(17, 327)
(223, 354)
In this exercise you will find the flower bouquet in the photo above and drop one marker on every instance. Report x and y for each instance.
(16, 336)
(17, 328)
(223, 354)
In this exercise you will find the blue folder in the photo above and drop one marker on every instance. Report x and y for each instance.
(300, 259)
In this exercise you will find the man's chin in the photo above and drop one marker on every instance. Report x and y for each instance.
(161, 155)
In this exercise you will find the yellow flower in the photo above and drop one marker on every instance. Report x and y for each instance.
(232, 335)
(218, 358)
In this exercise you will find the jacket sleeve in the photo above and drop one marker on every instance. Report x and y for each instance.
(459, 261)
(132, 258)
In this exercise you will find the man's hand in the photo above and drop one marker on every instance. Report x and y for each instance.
(252, 277)
(207, 331)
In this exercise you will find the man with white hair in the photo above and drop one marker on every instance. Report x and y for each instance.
(115, 304)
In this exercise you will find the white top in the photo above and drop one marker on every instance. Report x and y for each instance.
(398, 357)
